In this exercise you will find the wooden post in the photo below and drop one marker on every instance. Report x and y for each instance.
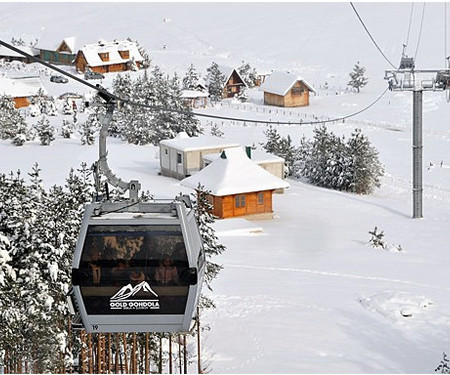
(99, 353)
(184, 355)
(160, 355)
(146, 353)
(133, 355)
(170, 354)
(124, 339)
(90, 354)
(116, 368)
(199, 362)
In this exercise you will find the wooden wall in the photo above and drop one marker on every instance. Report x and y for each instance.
(225, 207)
(297, 96)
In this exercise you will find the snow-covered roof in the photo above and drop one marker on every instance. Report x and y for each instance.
(21, 87)
(10, 53)
(227, 71)
(234, 173)
(258, 156)
(192, 94)
(280, 83)
(91, 52)
(70, 42)
(183, 142)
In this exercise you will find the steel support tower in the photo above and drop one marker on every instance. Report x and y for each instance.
(406, 78)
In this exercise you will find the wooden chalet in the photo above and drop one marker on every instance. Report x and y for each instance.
(104, 57)
(183, 155)
(233, 83)
(22, 90)
(284, 89)
(237, 186)
(10, 55)
(63, 53)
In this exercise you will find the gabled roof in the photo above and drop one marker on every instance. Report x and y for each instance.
(70, 42)
(21, 87)
(234, 173)
(91, 52)
(280, 83)
(183, 142)
(227, 71)
(192, 94)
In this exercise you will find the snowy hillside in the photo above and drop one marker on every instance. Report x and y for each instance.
(304, 292)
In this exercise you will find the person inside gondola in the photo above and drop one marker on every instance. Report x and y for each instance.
(166, 273)
(120, 273)
(95, 274)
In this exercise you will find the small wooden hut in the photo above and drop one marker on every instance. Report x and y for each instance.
(284, 89)
(233, 83)
(237, 185)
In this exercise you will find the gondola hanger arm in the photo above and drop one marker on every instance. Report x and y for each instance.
(132, 186)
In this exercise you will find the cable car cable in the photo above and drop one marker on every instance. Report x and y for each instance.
(107, 96)
(370, 36)
(420, 31)
(409, 27)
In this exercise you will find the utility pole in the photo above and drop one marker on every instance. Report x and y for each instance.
(406, 78)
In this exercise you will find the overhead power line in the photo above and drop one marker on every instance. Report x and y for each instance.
(370, 36)
(109, 96)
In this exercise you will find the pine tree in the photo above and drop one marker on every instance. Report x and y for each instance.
(357, 78)
(211, 243)
(191, 79)
(11, 120)
(365, 167)
(216, 81)
(215, 131)
(280, 146)
(45, 131)
(248, 74)
(88, 129)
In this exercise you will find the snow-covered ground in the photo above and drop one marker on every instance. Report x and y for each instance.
(304, 292)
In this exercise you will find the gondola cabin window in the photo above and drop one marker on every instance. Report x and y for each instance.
(141, 269)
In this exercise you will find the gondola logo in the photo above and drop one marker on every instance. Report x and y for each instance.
(126, 298)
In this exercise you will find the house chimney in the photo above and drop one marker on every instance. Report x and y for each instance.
(248, 151)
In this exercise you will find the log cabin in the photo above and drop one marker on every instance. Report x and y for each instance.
(104, 57)
(237, 186)
(284, 89)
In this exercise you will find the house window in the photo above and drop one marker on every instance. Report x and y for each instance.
(260, 198)
(124, 54)
(104, 56)
(239, 201)
(179, 158)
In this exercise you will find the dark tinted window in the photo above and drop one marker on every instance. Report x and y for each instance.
(134, 270)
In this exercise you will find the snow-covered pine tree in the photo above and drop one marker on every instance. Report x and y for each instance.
(365, 169)
(280, 146)
(11, 120)
(215, 131)
(211, 242)
(45, 131)
(215, 82)
(67, 129)
(357, 77)
(242, 95)
(88, 129)
(191, 79)
(248, 74)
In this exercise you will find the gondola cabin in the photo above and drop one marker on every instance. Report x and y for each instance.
(138, 268)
